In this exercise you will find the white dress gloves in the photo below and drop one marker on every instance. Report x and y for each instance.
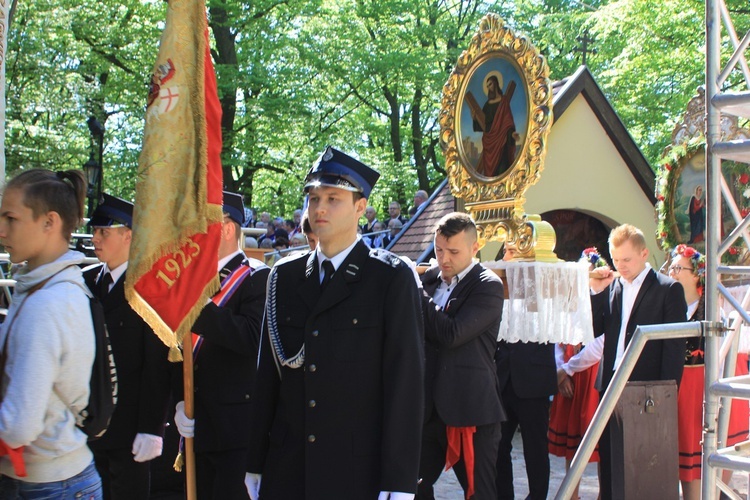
(146, 447)
(252, 483)
(185, 426)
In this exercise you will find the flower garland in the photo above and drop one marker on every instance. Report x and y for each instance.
(668, 173)
(666, 186)
(697, 260)
(592, 256)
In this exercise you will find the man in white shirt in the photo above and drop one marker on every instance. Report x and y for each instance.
(640, 296)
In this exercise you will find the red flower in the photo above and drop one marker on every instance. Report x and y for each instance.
(668, 166)
(660, 197)
(744, 212)
(664, 234)
(685, 251)
(744, 179)
(733, 250)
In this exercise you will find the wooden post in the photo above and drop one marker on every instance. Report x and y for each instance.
(187, 377)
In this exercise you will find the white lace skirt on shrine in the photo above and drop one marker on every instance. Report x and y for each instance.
(547, 302)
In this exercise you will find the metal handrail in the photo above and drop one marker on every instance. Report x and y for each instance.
(633, 351)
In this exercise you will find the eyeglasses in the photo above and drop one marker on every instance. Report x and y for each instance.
(678, 269)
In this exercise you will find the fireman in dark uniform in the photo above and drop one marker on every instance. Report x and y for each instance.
(135, 433)
(225, 351)
(337, 405)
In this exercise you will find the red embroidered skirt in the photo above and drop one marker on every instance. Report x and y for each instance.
(690, 418)
(569, 418)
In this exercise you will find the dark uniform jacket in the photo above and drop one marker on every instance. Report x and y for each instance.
(143, 372)
(224, 370)
(460, 378)
(660, 300)
(348, 423)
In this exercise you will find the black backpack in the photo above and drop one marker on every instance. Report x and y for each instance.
(94, 419)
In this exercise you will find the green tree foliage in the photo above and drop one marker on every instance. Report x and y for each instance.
(68, 61)
(365, 76)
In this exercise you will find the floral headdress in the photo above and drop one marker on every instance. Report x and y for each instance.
(697, 259)
(592, 256)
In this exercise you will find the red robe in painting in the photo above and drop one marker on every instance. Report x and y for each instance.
(498, 146)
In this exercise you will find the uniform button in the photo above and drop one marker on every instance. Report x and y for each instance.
(247, 396)
(315, 333)
(311, 438)
(313, 368)
(311, 403)
(288, 319)
(354, 321)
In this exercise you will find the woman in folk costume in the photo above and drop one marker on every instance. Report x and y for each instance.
(574, 405)
(689, 268)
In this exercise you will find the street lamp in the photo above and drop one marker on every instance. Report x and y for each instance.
(94, 169)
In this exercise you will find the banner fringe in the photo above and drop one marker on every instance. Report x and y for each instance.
(172, 339)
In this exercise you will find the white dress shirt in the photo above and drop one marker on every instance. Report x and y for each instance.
(629, 293)
(115, 273)
(443, 291)
(337, 259)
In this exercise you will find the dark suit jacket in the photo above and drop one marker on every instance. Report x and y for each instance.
(224, 370)
(660, 300)
(143, 372)
(348, 423)
(367, 227)
(528, 366)
(460, 378)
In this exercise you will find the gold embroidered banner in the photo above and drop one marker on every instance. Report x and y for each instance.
(178, 203)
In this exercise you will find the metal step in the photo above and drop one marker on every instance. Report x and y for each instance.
(735, 103)
(738, 150)
(730, 458)
(734, 387)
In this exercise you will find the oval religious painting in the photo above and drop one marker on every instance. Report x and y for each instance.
(493, 116)
(681, 199)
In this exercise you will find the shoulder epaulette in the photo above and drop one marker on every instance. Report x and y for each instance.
(386, 257)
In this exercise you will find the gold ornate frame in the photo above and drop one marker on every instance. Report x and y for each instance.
(496, 203)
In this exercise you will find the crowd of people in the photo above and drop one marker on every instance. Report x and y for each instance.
(340, 372)
(285, 234)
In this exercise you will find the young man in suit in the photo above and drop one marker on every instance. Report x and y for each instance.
(528, 377)
(135, 433)
(225, 350)
(337, 405)
(640, 296)
(462, 307)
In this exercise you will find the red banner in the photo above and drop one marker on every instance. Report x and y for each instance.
(178, 204)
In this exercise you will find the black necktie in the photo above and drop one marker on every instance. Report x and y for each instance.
(327, 271)
(104, 285)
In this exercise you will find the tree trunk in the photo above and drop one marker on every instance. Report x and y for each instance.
(225, 55)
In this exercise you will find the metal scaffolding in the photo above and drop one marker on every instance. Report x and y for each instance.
(720, 391)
